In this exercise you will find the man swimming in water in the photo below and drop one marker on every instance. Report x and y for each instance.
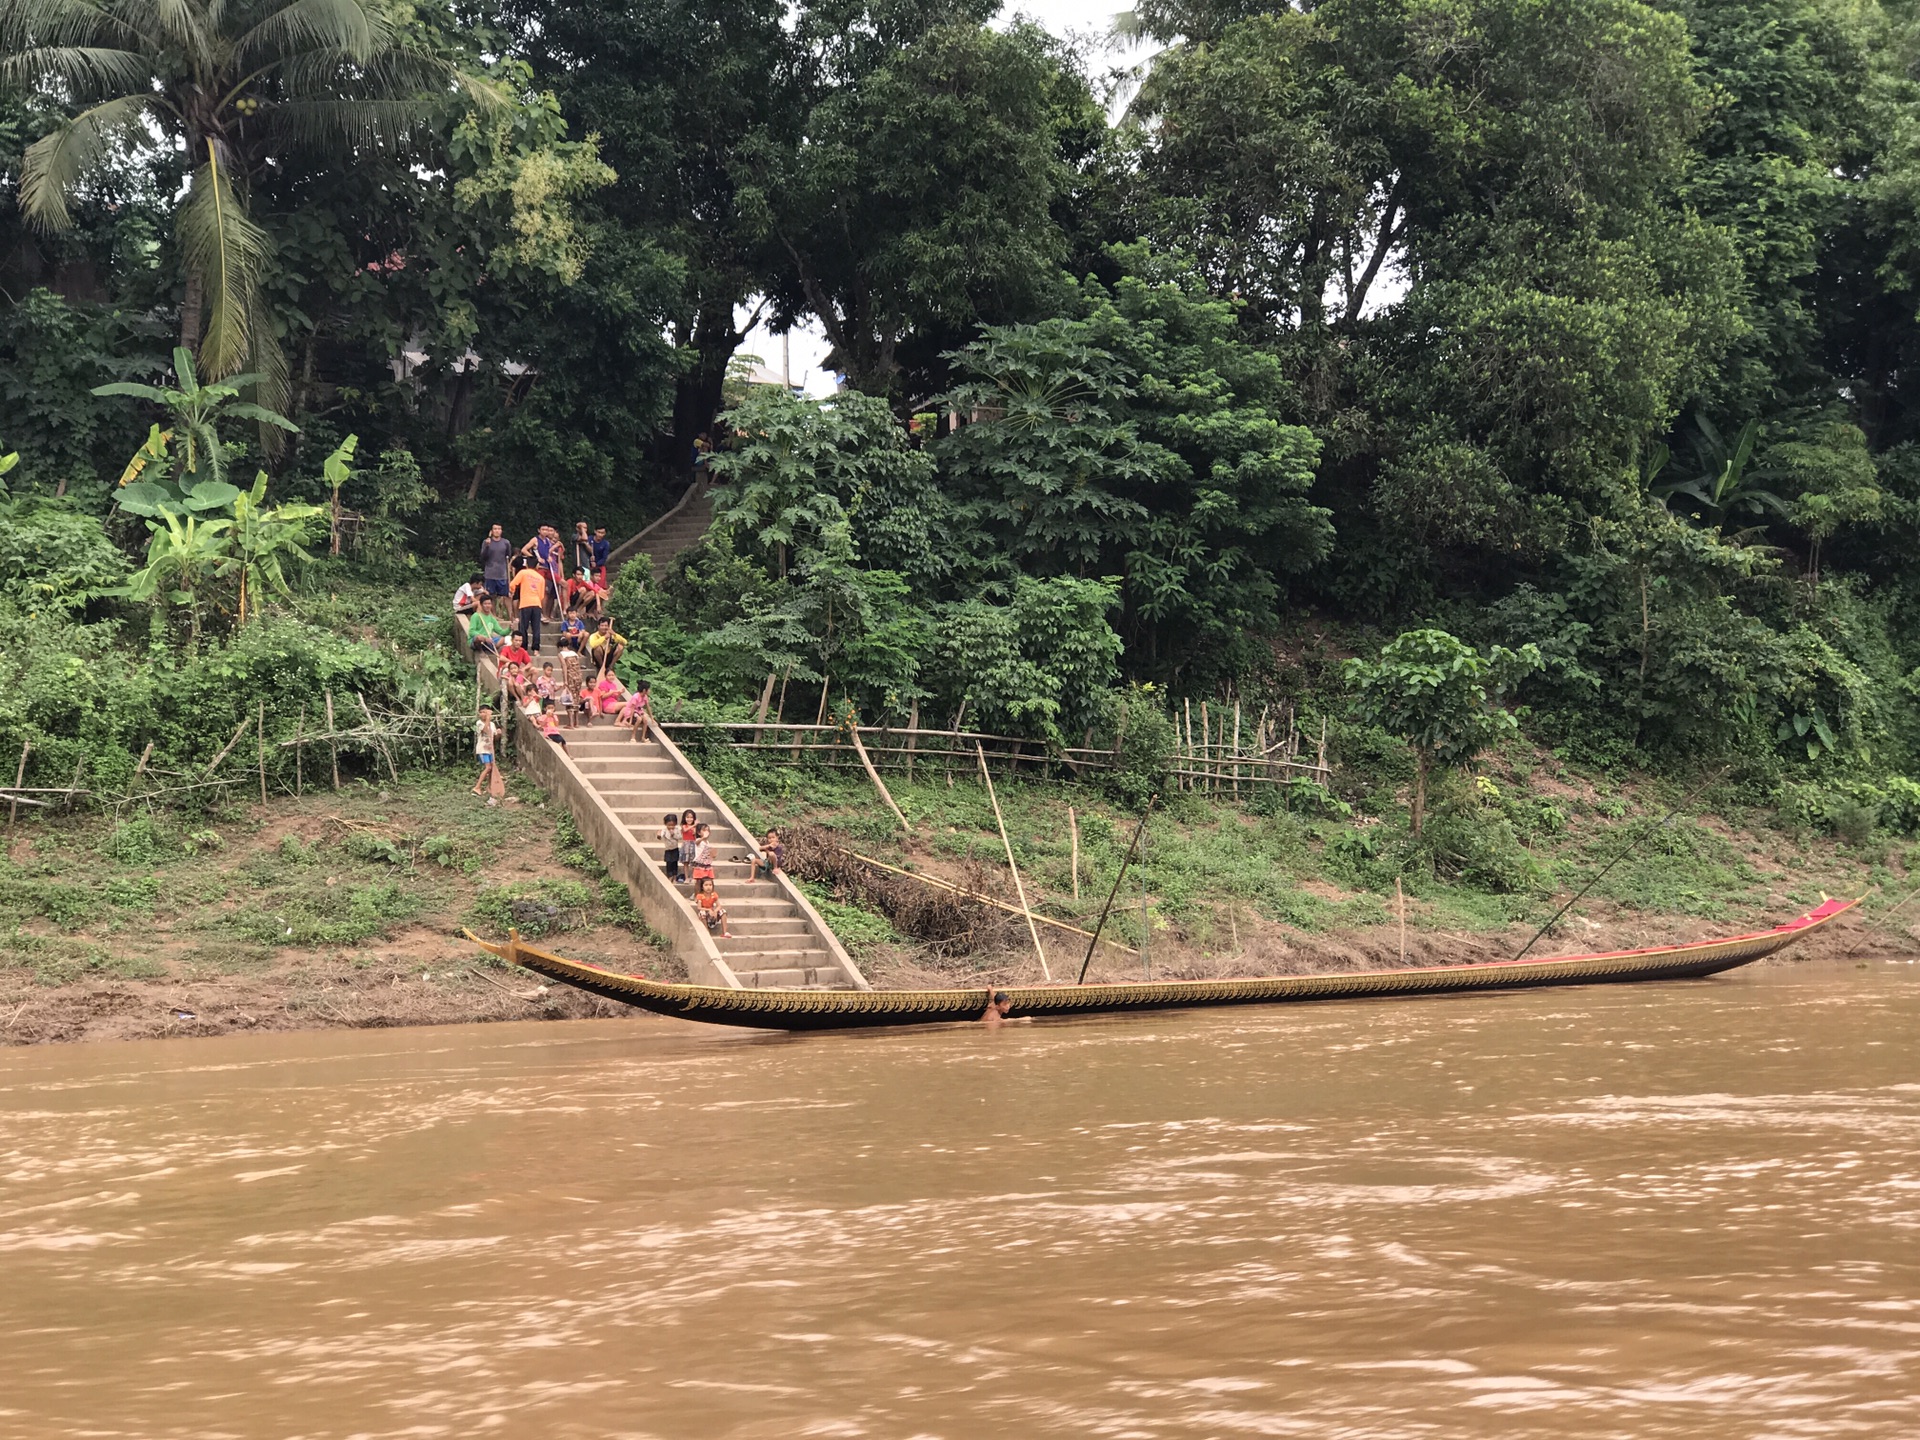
(999, 1006)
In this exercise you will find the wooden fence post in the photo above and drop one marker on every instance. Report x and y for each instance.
(333, 745)
(1073, 863)
(299, 735)
(261, 734)
(19, 779)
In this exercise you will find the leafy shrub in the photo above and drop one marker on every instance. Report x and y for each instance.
(1478, 846)
(1900, 805)
(139, 841)
(1144, 737)
(366, 845)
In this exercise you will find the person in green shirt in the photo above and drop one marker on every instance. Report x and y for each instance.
(486, 630)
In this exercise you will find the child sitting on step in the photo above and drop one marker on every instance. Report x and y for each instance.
(634, 713)
(711, 911)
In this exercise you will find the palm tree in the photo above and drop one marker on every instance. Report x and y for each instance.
(236, 85)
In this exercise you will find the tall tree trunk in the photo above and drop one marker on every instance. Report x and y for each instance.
(190, 307)
(697, 395)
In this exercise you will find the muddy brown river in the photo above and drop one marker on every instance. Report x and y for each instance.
(1687, 1210)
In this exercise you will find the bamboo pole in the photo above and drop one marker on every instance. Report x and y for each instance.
(214, 764)
(333, 745)
(1073, 863)
(1206, 748)
(299, 735)
(1019, 887)
(261, 736)
(73, 788)
(913, 735)
(1236, 749)
(853, 733)
(766, 698)
(19, 779)
(1132, 845)
(1400, 906)
(145, 755)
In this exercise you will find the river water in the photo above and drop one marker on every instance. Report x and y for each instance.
(1686, 1209)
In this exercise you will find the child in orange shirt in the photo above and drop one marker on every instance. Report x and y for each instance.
(711, 911)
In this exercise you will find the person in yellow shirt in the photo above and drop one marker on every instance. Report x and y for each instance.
(529, 587)
(604, 646)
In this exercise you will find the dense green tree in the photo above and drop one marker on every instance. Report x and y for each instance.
(239, 88)
(672, 90)
(1440, 696)
(1141, 436)
(910, 182)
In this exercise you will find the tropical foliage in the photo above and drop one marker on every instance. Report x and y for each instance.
(1587, 327)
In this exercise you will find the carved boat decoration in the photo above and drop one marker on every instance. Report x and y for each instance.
(851, 1009)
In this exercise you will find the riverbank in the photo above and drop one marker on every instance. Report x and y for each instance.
(346, 909)
(337, 909)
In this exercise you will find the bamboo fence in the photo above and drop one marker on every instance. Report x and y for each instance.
(1226, 754)
(383, 738)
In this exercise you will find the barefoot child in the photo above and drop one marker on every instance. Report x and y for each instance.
(634, 713)
(772, 857)
(669, 836)
(549, 725)
(711, 911)
(689, 832)
(702, 854)
(486, 736)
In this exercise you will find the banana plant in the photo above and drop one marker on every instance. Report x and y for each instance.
(1724, 486)
(264, 541)
(184, 555)
(188, 455)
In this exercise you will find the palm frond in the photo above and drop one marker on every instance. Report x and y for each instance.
(184, 26)
(343, 26)
(355, 124)
(55, 164)
(85, 72)
(27, 23)
(272, 387)
(220, 241)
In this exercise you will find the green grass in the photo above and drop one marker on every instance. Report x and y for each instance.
(1497, 854)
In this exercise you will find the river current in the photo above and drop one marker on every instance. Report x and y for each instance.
(1687, 1210)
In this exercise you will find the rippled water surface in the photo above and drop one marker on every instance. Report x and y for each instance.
(1676, 1210)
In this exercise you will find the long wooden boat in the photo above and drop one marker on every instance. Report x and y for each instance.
(850, 1009)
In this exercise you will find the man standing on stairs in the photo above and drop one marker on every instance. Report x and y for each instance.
(529, 586)
(495, 551)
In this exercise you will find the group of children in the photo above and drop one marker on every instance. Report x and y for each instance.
(689, 860)
(531, 580)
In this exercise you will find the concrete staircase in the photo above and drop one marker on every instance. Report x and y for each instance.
(677, 530)
(618, 789)
(773, 944)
